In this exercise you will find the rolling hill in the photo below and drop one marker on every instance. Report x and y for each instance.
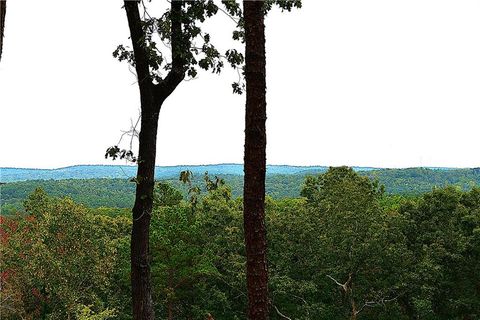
(109, 186)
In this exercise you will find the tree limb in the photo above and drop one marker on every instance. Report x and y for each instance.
(371, 304)
(281, 314)
(177, 73)
(345, 285)
(141, 59)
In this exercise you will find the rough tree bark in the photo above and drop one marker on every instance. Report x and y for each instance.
(255, 161)
(152, 97)
(3, 10)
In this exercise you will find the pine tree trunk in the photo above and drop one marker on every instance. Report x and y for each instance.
(255, 161)
(3, 10)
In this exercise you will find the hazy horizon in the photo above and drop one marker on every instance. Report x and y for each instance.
(226, 163)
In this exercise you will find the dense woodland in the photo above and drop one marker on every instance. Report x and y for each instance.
(119, 192)
(343, 249)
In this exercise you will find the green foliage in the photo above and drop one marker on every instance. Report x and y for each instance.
(166, 196)
(340, 236)
(420, 180)
(181, 261)
(196, 50)
(119, 193)
(191, 254)
(443, 234)
(61, 255)
(86, 313)
(346, 248)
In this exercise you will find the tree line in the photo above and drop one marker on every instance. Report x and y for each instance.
(120, 192)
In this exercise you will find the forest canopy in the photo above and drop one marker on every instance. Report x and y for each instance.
(344, 248)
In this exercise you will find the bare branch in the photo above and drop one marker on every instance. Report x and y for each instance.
(344, 285)
(281, 314)
(132, 132)
(371, 304)
(229, 16)
(299, 298)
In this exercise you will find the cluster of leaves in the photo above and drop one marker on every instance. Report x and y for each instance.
(196, 49)
(444, 233)
(342, 255)
(58, 259)
(115, 152)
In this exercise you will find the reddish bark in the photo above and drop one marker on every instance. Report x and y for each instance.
(255, 161)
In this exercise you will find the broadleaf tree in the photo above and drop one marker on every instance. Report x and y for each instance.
(180, 27)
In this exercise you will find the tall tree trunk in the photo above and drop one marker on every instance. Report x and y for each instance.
(3, 10)
(142, 210)
(142, 302)
(255, 161)
(152, 97)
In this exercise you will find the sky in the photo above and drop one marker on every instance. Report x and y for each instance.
(384, 83)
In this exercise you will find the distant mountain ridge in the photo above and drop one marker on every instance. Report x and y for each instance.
(162, 172)
(110, 186)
